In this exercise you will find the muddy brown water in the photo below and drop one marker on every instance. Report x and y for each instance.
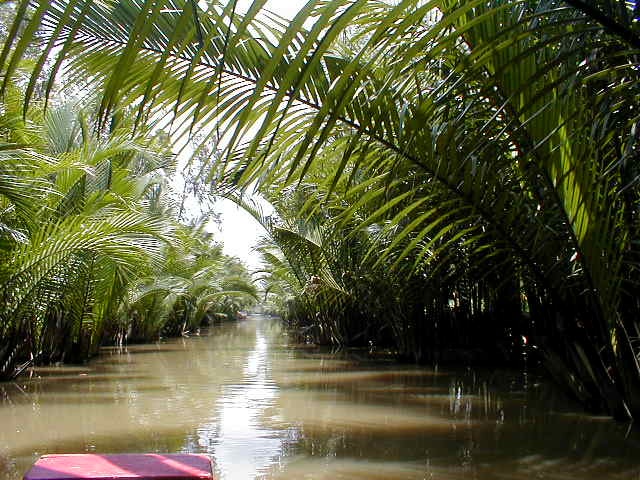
(264, 408)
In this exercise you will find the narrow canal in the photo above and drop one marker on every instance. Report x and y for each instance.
(265, 409)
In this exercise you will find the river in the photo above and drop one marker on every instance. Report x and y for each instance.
(265, 408)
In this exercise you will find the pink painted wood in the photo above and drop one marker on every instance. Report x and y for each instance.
(122, 467)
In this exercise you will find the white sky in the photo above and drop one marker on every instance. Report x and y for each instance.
(284, 8)
(239, 232)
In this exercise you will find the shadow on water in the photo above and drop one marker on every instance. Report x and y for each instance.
(264, 410)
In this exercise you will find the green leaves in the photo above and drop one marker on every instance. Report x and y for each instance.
(489, 114)
(82, 224)
(446, 145)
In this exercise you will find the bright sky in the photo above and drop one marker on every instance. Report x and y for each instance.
(239, 231)
(284, 8)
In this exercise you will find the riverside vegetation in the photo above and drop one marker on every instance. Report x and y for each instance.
(93, 250)
(444, 174)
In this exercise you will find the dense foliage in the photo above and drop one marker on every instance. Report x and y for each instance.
(446, 173)
(91, 251)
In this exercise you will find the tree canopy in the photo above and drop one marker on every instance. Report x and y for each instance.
(444, 167)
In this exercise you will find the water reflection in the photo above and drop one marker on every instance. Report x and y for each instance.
(266, 410)
(242, 446)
